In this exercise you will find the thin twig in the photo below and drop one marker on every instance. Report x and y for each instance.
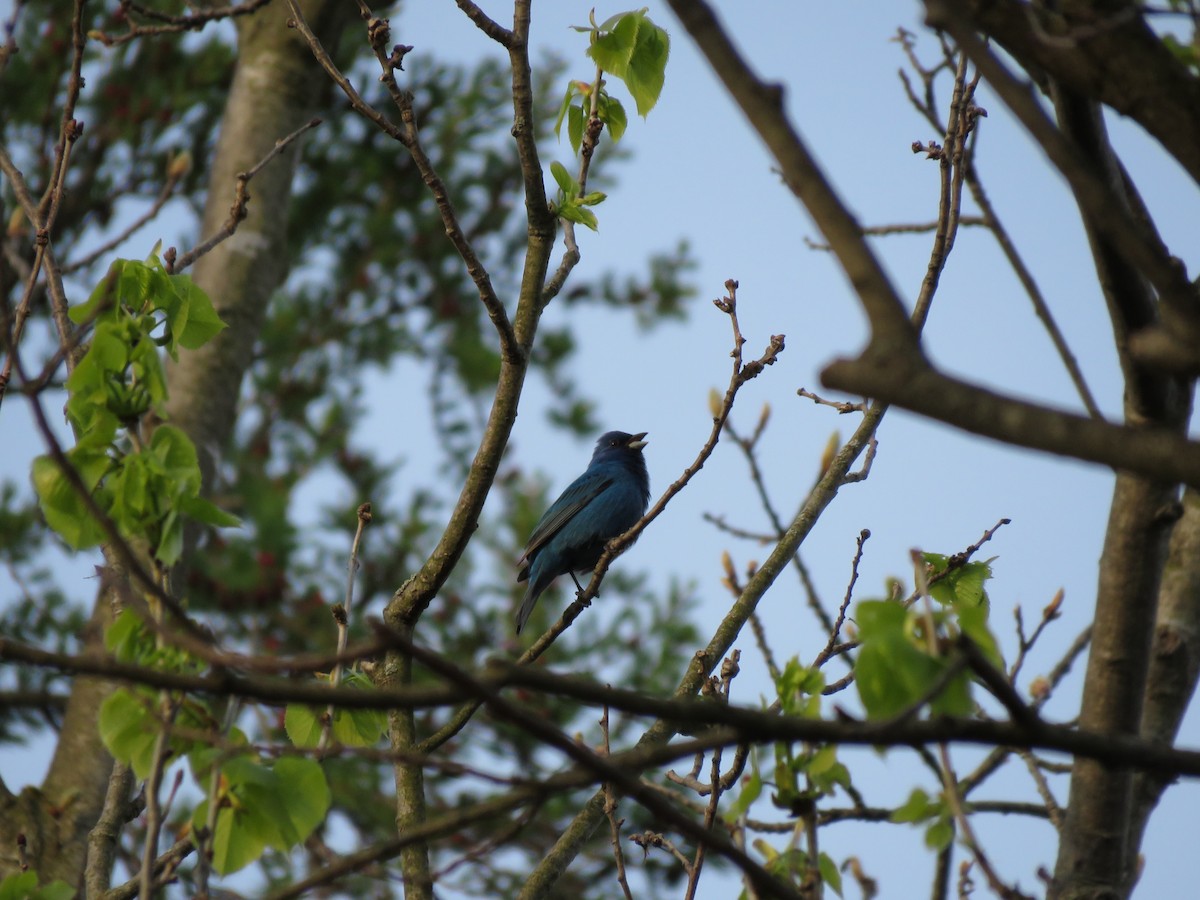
(610, 812)
(167, 708)
(173, 24)
(237, 212)
(834, 632)
(341, 615)
(174, 176)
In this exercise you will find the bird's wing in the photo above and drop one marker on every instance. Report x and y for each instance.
(581, 492)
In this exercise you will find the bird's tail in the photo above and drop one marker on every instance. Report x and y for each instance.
(531, 597)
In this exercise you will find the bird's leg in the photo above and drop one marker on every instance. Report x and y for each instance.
(577, 584)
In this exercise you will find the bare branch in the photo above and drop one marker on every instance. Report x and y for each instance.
(237, 212)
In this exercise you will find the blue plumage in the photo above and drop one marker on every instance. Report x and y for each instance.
(602, 503)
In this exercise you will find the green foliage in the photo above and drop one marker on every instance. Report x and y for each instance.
(793, 865)
(131, 719)
(350, 727)
(631, 47)
(920, 808)
(24, 886)
(263, 806)
(799, 689)
(148, 490)
(901, 664)
(895, 669)
(571, 203)
(576, 109)
(961, 584)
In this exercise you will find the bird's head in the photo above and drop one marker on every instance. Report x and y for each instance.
(619, 442)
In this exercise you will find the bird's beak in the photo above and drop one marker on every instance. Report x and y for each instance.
(636, 442)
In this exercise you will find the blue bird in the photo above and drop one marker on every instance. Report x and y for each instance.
(602, 503)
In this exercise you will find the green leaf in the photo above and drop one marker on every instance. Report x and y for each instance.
(202, 323)
(18, 886)
(359, 727)
(168, 546)
(916, 808)
(134, 285)
(302, 724)
(176, 456)
(103, 301)
(126, 638)
(612, 114)
(128, 488)
(893, 673)
(64, 509)
(973, 620)
(799, 689)
(574, 213)
(276, 806)
(939, 835)
(148, 368)
(233, 846)
(648, 66)
(612, 48)
(962, 585)
(210, 514)
(306, 793)
(829, 873)
(593, 198)
(575, 119)
(88, 386)
(350, 727)
(55, 890)
(128, 729)
(566, 183)
(822, 761)
(572, 91)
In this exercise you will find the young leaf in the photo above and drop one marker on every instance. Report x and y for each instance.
(64, 509)
(612, 114)
(648, 66)
(305, 792)
(201, 510)
(893, 673)
(568, 185)
(24, 886)
(575, 127)
(302, 724)
(575, 213)
(829, 873)
(129, 730)
(103, 299)
(613, 47)
(203, 323)
(233, 845)
(916, 808)
(939, 835)
(572, 90)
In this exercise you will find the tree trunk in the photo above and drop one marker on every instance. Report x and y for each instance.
(276, 88)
